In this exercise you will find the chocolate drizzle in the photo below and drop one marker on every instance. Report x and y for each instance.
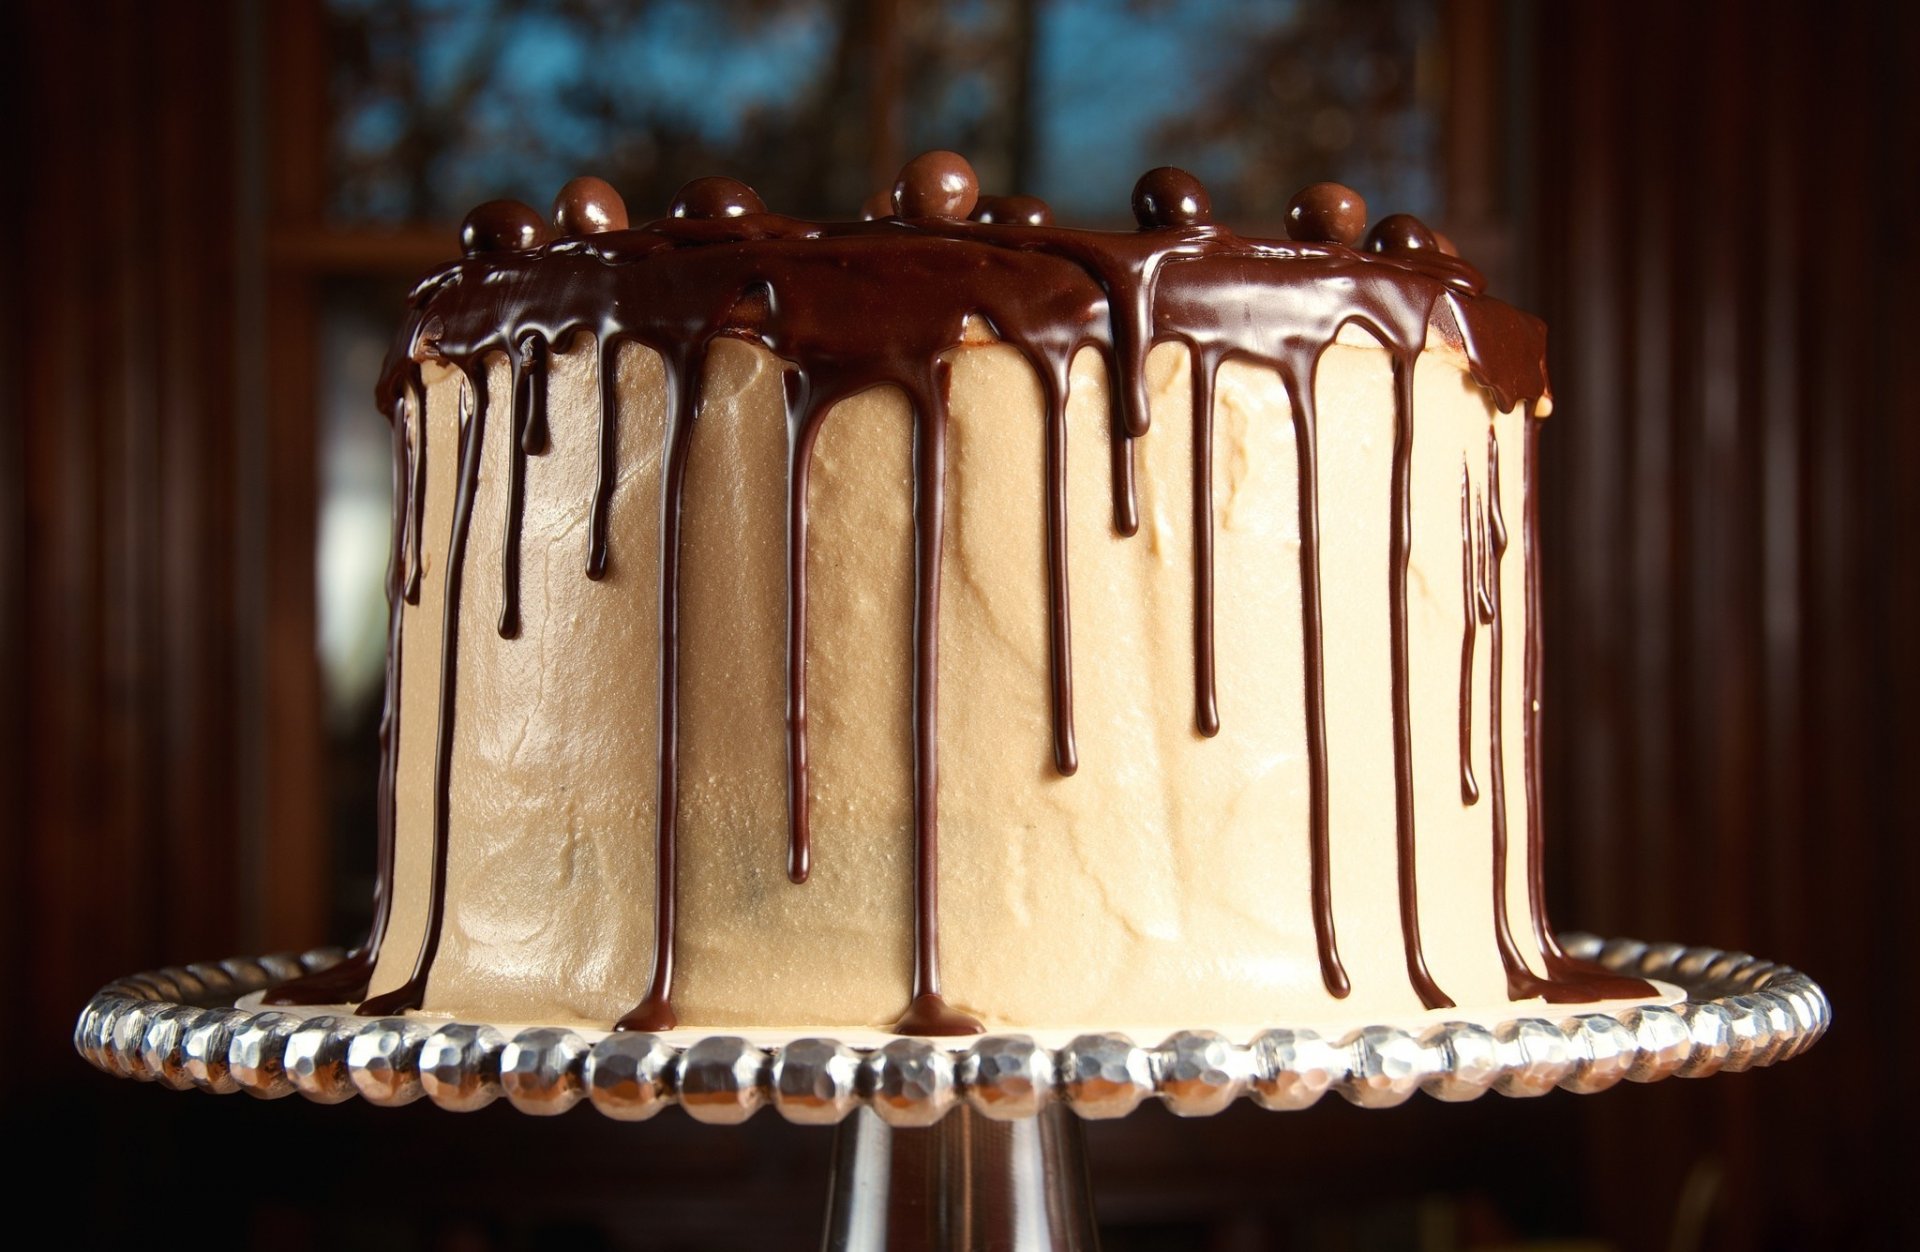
(1522, 983)
(1126, 495)
(411, 993)
(413, 502)
(1399, 545)
(1484, 542)
(528, 382)
(803, 427)
(1066, 753)
(928, 1013)
(1206, 704)
(1333, 974)
(853, 306)
(609, 468)
(655, 1012)
(1531, 732)
(1472, 562)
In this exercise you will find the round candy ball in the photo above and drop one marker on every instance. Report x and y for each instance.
(716, 197)
(1170, 197)
(876, 206)
(936, 184)
(1013, 211)
(1401, 232)
(1326, 213)
(502, 226)
(588, 206)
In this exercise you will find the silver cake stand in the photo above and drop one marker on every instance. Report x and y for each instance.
(970, 1143)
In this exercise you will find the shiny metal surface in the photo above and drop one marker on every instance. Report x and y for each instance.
(161, 1052)
(460, 1067)
(315, 1061)
(125, 1049)
(204, 1050)
(1200, 1072)
(178, 1027)
(1007, 1077)
(1294, 1068)
(909, 1082)
(1663, 1041)
(1535, 1057)
(723, 1080)
(1389, 1066)
(541, 1071)
(1104, 1076)
(970, 1182)
(1603, 1051)
(255, 1053)
(816, 1082)
(1469, 1061)
(383, 1058)
(631, 1077)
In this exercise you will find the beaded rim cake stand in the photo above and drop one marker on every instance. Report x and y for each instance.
(1009, 1159)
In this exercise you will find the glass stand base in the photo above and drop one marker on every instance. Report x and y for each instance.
(967, 1182)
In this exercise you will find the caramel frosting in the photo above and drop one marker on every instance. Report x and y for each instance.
(952, 619)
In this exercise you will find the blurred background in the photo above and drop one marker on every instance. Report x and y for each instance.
(213, 212)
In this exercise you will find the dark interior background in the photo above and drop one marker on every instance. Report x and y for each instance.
(214, 208)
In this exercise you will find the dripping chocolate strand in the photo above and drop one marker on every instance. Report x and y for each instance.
(803, 428)
(928, 1013)
(416, 422)
(1483, 598)
(1066, 752)
(1130, 304)
(1052, 365)
(1532, 744)
(655, 1012)
(607, 451)
(1469, 789)
(1522, 983)
(526, 383)
(1126, 496)
(536, 356)
(411, 993)
(1400, 543)
(1333, 974)
(1206, 707)
(388, 817)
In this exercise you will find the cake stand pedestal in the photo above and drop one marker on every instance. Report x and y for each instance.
(966, 1182)
(947, 1143)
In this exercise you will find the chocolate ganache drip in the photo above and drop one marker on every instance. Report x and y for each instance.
(1473, 563)
(857, 305)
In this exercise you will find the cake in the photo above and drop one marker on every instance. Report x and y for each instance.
(950, 621)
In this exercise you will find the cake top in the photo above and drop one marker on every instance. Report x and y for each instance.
(858, 304)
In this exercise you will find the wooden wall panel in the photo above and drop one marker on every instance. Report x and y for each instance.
(292, 895)
(1722, 195)
(121, 587)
